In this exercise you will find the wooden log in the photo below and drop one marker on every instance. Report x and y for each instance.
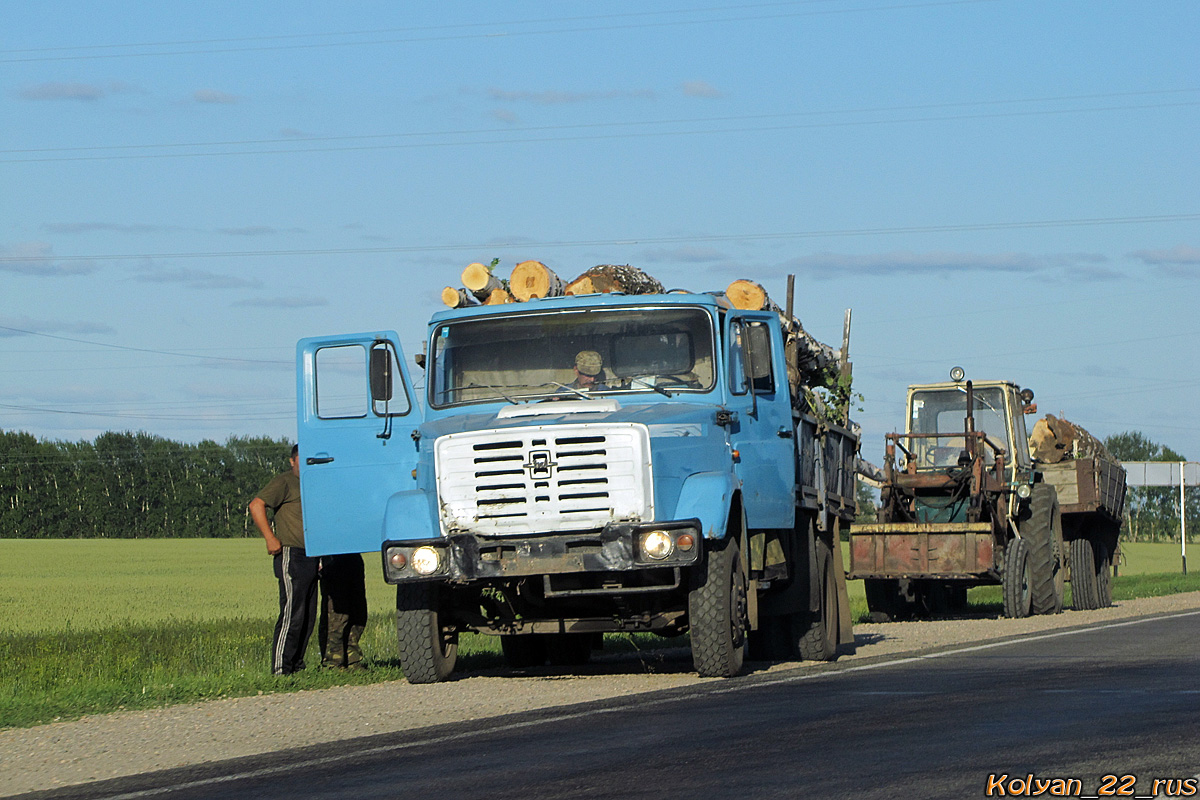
(532, 279)
(457, 298)
(605, 278)
(478, 280)
(1054, 439)
(749, 296)
(498, 297)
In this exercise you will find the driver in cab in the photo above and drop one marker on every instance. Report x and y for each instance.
(589, 372)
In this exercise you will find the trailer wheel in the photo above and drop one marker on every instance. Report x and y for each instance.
(522, 651)
(1091, 585)
(1103, 575)
(817, 637)
(569, 649)
(1016, 581)
(718, 613)
(428, 642)
(1042, 533)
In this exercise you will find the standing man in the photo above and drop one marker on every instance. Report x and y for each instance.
(296, 571)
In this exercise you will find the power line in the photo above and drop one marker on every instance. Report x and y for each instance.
(601, 125)
(139, 349)
(527, 245)
(597, 137)
(501, 33)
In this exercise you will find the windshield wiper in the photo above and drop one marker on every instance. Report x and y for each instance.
(579, 392)
(649, 385)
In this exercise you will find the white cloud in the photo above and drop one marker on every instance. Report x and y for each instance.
(25, 326)
(84, 92)
(283, 302)
(700, 89)
(1181, 261)
(686, 255)
(196, 279)
(36, 258)
(111, 227)
(554, 97)
(214, 96)
(828, 265)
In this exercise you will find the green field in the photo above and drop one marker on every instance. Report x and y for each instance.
(92, 626)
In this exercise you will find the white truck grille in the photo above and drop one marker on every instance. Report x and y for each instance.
(545, 478)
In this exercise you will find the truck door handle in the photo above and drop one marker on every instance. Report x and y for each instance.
(321, 460)
(785, 433)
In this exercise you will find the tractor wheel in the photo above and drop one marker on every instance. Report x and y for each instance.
(717, 611)
(817, 636)
(428, 641)
(1042, 532)
(1016, 579)
(523, 651)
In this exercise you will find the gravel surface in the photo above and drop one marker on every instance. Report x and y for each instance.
(133, 742)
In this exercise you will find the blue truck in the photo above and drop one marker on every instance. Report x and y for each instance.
(686, 485)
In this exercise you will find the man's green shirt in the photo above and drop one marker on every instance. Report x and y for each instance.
(282, 496)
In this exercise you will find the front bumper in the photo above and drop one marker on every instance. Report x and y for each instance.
(465, 557)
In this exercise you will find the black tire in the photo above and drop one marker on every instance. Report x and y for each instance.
(1085, 594)
(817, 636)
(521, 652)
(1016, 581)
(569, 649)
(717, 611)
(428, 642)
(1103, 575)
(1042, 532)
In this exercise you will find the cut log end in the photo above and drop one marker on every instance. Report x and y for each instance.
(747, 295)
(532, 279)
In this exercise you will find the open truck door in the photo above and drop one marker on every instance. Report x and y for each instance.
(356, 416)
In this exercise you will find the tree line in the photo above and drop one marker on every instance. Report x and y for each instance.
(136, 485)
(132, 486)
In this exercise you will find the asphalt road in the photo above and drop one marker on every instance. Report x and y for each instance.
(1119, 699)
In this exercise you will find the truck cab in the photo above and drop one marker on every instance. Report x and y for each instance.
(572, 466)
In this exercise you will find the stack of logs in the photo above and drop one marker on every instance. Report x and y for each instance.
(1053, 440)
(810, 363)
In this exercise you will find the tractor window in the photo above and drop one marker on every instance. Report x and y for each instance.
(943, 412)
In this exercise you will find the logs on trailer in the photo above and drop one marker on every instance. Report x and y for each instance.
(623, 278)
(1053, 440)
(532, 279)
(479, 281)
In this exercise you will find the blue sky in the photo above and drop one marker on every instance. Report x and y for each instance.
(187, 189)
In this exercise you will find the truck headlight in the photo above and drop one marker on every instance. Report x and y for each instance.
(657, 545)
(425, 560)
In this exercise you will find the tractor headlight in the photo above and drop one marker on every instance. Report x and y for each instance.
(1023, 491)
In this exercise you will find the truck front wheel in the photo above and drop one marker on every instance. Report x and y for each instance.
(717, 612)
(428, 643)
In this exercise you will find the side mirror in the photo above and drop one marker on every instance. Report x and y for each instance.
(381, 373)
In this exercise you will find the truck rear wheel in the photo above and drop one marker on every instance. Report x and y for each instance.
(1103, 575)
(428, 644)
(1016, 580)
(817, 636)
(717, 611)
(1042, 533)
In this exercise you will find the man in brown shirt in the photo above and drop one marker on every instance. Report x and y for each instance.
(296, 571)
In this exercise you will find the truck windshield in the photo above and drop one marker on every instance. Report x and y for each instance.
(571, 354)
(944, 412)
